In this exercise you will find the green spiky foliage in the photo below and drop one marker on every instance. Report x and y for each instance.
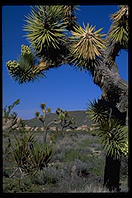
(29, 155)
(119, 28)
(113, 135)
(87, 44)
(41, 155)
(98, 111)
(45, 31)
(46, 28)
(114, 138)
(23, 70)
(21, 153)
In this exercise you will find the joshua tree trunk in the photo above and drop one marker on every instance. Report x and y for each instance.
(44, 132)
(44, 137)
(115, 89)
(112, 173)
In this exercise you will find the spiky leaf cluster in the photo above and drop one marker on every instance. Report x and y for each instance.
(98, 111)
(23, 69)
(119, 28)
(87, 44)
(29, 155)
(114, 137)
(45, 29)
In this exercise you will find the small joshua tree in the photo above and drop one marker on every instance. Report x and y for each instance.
(42, 118)
(10, 119)
(65, 121)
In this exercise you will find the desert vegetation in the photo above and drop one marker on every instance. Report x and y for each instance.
(79, 161)
(72, 161)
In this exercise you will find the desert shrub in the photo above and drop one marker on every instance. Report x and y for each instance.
(29, 155)
(77, 153)
(59, 156)
(48, 175)
(16, 185)
(72, 154)
(94, 188)
(71, 183)
(21, 151)
(78, 167)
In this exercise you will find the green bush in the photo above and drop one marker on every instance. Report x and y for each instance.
(79, 167)
(48, 175)
(29, 155)
(41, 155)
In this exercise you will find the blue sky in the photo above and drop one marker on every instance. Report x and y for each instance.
(64, 87)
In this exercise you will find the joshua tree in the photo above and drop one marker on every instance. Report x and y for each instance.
(42, 118)
(83, 47)
(10, 119)
(65, 121)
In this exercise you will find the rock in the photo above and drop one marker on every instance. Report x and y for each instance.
(53, 128)
(27, 128)
(36, 128)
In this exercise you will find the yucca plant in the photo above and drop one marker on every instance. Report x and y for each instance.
(119, 28)
(29, 155)
(21, 152)
(45, 30)
(87, 44)
(41, 155)
(98, 111)
(113, 135)
(24, 69)
(114, 138)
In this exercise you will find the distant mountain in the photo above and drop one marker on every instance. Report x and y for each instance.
(80, 117)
